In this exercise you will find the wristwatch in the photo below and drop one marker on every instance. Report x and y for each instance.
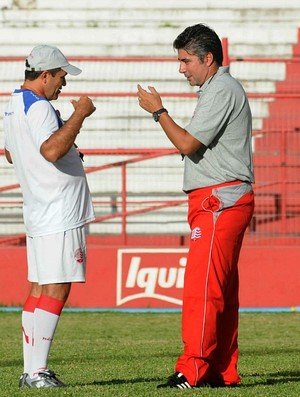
(157, 114)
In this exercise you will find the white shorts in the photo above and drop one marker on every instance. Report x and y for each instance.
(57, 258)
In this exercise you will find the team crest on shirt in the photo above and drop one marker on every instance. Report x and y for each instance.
(196, 233)
(79, 255)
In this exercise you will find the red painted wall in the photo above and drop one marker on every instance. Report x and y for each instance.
(153, 277)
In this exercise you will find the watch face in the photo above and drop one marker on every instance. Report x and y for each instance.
(158, 113)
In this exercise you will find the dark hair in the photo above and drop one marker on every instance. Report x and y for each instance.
(199, 40)
(33, 75)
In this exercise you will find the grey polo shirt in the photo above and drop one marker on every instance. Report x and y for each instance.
(222, 121)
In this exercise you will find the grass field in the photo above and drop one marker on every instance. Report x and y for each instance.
(128, 354)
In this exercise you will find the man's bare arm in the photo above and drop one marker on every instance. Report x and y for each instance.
(58, 144)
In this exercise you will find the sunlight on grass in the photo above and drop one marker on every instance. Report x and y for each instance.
(128, 354)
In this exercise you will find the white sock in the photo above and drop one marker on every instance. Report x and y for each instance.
(27, 330)
(46, 316)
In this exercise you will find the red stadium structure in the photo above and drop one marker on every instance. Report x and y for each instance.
(131, 268)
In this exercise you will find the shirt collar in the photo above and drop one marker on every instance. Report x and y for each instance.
(219, 72)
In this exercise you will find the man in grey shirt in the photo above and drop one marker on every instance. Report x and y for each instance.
(218, 174)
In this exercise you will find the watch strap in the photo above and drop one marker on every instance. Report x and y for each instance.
(157, 114)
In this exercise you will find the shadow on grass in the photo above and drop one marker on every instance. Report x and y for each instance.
(271, 379)
(112, 382)
(276, 378)
(269, 351)
(283, 377)
(11, 363)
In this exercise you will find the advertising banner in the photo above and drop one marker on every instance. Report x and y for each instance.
(152, 278)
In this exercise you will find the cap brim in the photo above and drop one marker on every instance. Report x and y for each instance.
(71, 69)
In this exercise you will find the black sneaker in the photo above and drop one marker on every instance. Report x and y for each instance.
(177, 380)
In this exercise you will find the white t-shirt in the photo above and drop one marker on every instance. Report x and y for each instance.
(56, 196)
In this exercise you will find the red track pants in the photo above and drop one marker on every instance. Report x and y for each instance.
(218, 217)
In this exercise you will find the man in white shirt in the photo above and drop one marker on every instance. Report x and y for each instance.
(56, 201)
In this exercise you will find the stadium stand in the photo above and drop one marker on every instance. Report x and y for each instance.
(128, 36)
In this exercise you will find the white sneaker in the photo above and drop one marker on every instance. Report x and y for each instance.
(22, 379)
(45, 379)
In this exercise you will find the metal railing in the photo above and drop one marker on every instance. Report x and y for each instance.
(277, 184)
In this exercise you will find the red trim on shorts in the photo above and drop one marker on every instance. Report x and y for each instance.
(30, 304)
(50, 305)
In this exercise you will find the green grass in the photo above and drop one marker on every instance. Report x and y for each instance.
(128, 354)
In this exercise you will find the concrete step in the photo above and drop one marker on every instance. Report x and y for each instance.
(159, 17)
(146, 41)
(129, 72)
(171, 220)
(171, 4)
(120, 122)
